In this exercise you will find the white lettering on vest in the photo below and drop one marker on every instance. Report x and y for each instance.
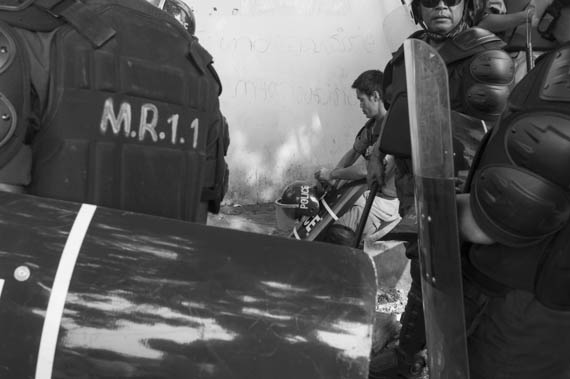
(144, 125)
(173, 121)
(195, 126)
(109, 117)
(314, 221)
(148, 124)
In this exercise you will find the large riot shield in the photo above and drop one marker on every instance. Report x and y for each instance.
(91, 292)
(432, 156)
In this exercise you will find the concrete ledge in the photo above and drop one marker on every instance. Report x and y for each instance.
(392, 265)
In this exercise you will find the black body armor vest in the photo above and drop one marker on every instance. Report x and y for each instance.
(130, 114)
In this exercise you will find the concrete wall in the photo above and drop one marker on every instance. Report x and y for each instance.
(287, 67)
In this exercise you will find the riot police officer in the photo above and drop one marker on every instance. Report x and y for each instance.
(110, 102)
(517, 217)
(481, 75)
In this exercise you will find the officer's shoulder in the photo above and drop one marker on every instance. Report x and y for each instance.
(475, 37)
(470, 42)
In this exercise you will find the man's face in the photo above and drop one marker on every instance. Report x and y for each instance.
(371, 105)
(442, 18)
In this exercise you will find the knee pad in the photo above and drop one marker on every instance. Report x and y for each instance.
(488, 86)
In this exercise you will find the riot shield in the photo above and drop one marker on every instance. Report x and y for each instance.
(94, 292)
(432, 156)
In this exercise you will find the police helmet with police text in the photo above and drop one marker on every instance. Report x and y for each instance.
(298, 199)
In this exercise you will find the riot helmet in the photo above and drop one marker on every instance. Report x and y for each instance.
(180, 11)
(298, 199)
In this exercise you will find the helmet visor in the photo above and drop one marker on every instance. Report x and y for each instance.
(285, 215)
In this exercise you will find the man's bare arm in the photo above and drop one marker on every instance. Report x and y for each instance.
(345, 169)
(468, 229)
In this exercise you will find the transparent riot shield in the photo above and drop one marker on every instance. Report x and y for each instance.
(432, 156)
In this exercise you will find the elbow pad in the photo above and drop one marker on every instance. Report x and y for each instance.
(14, 93)
(490, 77)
